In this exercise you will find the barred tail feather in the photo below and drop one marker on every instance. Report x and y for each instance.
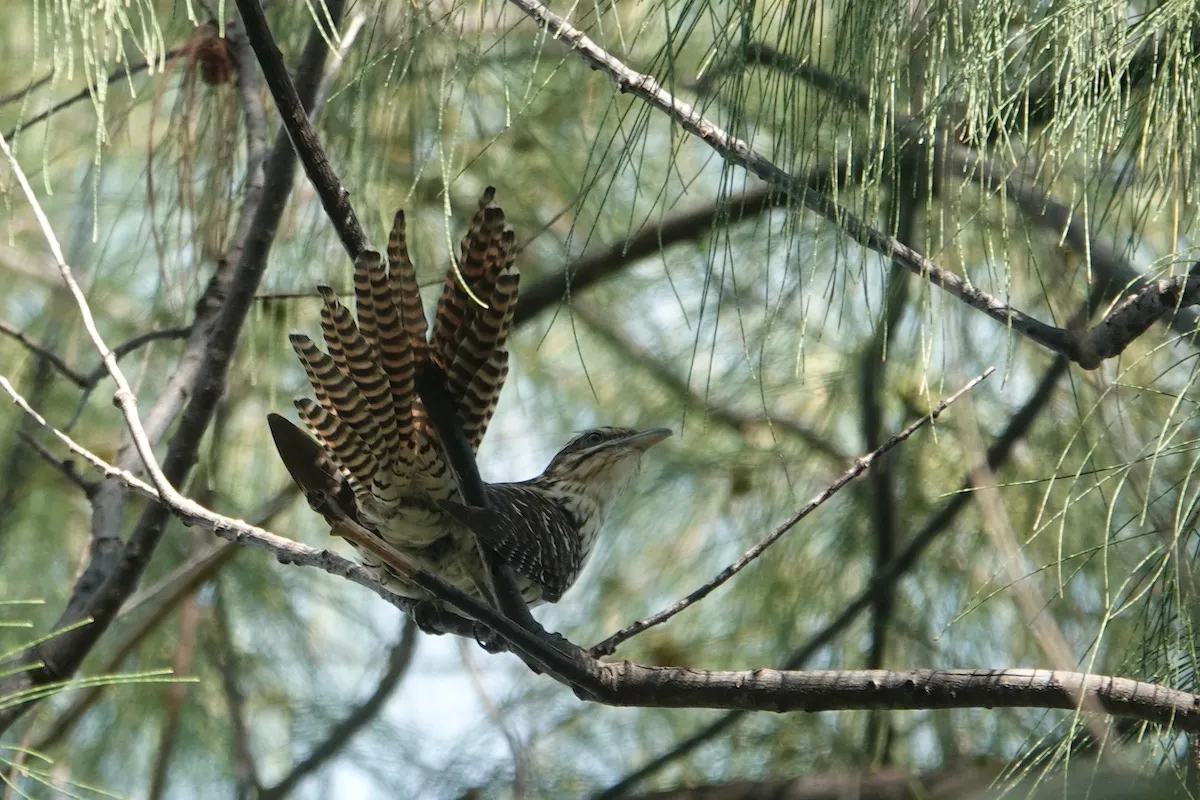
(339, 394)
(360, 361)
(349, 451)
(481, 361)
(456, 306)
(406, 292)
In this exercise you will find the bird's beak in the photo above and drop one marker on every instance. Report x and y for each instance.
(644, 440)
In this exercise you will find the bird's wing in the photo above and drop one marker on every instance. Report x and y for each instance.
(469, 340)
(530, 532)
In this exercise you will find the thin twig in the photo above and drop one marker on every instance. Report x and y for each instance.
(93, 378)
(634, 353)
(64, 466)
(82, 94)
(861, 465)
(89, 381)
(883, 579)
(133, 343)
(33, 346)
(234, 530)
(225, 659)
(520, 782)
(681, 226)
(124, 396)
(399, 660)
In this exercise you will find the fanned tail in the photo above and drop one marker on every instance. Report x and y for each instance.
(367, 416)
(469, 341)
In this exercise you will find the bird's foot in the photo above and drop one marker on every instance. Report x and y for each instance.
(428, 618)
(489, 640)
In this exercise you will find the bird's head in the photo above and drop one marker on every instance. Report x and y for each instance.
(601, 462)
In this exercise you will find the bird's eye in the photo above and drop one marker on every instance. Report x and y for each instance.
(595, 437)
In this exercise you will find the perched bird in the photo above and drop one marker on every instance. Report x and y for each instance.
(377, 460)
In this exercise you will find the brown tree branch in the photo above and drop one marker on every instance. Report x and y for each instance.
(181, 662)
(35, 347)
(163, 598)
(953, 783)
(398, 661)
(64, 466)
(225, 659)
(293, 113)
(1152, 300)
(115, 566)
(629, 684)
(84, 93)
(681, 226)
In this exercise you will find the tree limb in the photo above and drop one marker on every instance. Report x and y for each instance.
(116, 566)
(680, 226)
(1151, 301)
(630, 684)
(997, 454)
(860, 466)
(398, 661)
(1086, 351)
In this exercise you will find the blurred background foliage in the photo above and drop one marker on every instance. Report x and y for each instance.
(776, 348)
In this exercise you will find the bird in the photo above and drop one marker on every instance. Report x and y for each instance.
(372, 456)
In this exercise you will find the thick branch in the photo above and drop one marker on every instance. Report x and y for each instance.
(680, 226)
(116, 567)
(629, 684)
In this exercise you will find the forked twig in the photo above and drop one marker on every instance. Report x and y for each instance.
(124, 397)
(861, 465)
